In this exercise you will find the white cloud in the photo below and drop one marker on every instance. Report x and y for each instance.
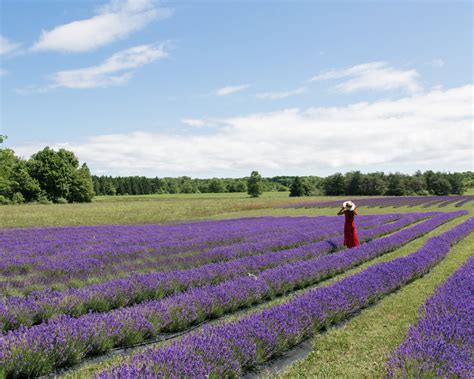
(7, 46)
(116, 70)
(231, 89)
(193, 122)
(280, 95)
(114, 21)
(377, 76)
(432, 130)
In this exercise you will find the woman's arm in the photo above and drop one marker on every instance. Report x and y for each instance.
(341, 212)
(355, 211)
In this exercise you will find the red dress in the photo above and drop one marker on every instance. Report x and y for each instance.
(350, 234)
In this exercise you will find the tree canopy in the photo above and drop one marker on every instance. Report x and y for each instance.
(47, 176)
(254, 184)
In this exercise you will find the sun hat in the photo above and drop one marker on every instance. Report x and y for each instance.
(348, 205)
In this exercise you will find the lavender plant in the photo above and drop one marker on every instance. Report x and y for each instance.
(441, 345)
(229, 349)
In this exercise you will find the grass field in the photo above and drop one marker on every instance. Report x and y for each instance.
(357, 349)
(140, 209)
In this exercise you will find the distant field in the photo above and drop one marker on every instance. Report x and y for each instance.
(146, 209)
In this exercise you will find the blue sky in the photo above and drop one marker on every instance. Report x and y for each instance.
(217, 88)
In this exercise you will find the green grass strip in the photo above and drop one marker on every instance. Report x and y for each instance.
(360, 347)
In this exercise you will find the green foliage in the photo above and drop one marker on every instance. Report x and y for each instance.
(396, 184)
(18, 198)
(54, 170)
(217, 186)
(237, 186)
(2, 138)
(354, 183)
(23, 183)
(457, 183)
(254, 184)
(81, 189)
(15, 182)
(441, 186)
(47, 176)
(300, 187)
(334, 185)
(60, 176)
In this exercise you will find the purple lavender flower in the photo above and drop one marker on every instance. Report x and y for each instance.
(226, 349)
(442, 343)
(96, 333)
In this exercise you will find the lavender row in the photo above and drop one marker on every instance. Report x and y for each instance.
(68, 249)
(230, 349)
(43, 305)
(397, 201)
(442, 344)
(65, 339)
(65, 272)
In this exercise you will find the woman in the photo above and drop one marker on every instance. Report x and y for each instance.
(350, 235)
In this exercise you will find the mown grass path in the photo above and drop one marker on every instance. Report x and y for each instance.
(359, 348)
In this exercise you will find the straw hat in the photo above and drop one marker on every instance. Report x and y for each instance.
(348, 205)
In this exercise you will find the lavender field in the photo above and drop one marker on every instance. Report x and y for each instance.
(221, 298)
(396, 202)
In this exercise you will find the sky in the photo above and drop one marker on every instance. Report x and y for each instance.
(221, 88)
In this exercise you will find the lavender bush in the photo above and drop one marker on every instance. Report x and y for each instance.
(41, 306)
(441, 345)
(66, 340)
(229, 349)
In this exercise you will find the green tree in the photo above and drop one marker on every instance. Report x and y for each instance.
(457, 183)
(81, 189)
(334, 185)
(396, 185)
(24, 184)
(237, 185)
(8, 161)
(254, 184)
(2, 138)
(373, 184)
(216, 186)
(441, 186)
(297, 188)
(15, 179)
(353, 183)
(416, 184)
(59, 175)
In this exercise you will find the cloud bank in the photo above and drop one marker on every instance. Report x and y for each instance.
(430, 130)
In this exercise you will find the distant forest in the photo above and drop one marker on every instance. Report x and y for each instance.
(351, 183)
(50, 176)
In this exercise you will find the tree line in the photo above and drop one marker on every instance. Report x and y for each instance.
(141, 185)
(351, 183)
(56, 176)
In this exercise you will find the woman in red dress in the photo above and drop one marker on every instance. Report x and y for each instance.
(350, 235)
